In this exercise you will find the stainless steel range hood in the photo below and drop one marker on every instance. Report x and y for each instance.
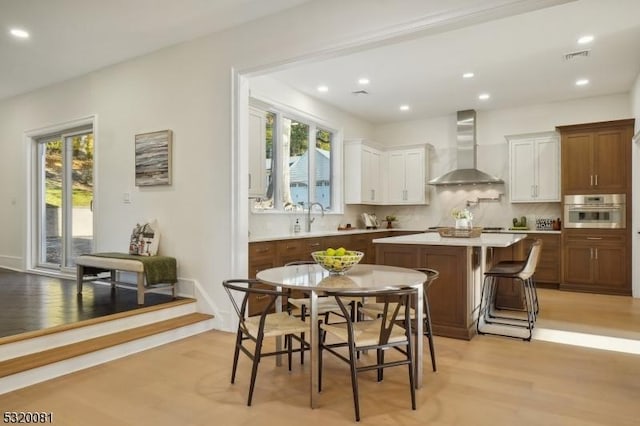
(466, 173)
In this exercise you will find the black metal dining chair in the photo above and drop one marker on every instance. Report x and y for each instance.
(375, 309)
(266, 324)
(326, 305)
(390, 330)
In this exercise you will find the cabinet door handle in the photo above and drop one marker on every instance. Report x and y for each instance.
(262, 250)
(590, 180)
(596, 180)
(314, 245)
(594, 238)
(596, 250)
(590, 253)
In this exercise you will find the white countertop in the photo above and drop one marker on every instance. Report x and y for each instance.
(434, 239)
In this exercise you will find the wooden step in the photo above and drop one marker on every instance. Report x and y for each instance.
(50, 356)
(93, 321)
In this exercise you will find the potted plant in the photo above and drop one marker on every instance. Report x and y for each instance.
(390, 219)
(463, 218)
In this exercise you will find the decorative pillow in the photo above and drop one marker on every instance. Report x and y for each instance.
(145, 239)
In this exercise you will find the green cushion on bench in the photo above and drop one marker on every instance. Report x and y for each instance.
(157, 269)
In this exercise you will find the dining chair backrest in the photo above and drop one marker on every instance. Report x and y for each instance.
(300, 262)
(431, 274)
(396, 307)
(249, 287)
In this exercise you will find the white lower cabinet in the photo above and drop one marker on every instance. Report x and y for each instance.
(534, 164)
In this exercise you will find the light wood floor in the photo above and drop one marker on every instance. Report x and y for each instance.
(487, 381)
(614, 316)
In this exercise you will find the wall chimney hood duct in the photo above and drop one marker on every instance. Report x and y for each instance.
(466, 173)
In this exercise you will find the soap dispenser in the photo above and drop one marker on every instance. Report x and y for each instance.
(296, 226)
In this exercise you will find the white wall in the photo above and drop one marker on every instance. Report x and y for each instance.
(187, 88)
(492, 127)
(635, 110)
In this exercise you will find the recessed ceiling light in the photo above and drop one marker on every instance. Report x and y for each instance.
(363, 81)
(484, 96)
(585, 39)
(405, 107)
(19, 33)
(323, 89)
(468, 75)
(582, 82)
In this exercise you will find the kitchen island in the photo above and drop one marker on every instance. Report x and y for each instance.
(455, 296)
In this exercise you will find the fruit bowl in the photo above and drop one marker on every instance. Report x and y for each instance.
(337, 264)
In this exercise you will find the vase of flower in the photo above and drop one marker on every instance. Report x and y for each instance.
(463, 218)
(463, 224)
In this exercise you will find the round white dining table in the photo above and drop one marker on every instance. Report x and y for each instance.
(315, 280)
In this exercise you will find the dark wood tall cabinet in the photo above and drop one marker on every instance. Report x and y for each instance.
(596, 159)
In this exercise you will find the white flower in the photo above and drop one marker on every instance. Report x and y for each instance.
(461, 214)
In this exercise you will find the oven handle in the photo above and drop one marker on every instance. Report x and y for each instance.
(594, 206)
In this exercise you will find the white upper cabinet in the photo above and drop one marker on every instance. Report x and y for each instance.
(406, 177)
(534, 168)
(377, 176)
(257, 153)
(362, 172)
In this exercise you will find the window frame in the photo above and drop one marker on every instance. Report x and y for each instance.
(336, 165)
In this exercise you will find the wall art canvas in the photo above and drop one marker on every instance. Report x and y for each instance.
(153, 158)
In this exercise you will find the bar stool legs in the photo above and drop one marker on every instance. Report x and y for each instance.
(488, 314)
(505, 320)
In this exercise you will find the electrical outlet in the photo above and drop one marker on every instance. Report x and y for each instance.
(126, 198)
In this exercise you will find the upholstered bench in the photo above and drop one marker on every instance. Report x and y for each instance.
(151, 271)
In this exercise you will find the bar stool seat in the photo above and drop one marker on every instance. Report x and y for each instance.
(506, 320)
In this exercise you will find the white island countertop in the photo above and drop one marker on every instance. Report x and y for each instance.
(434, 239)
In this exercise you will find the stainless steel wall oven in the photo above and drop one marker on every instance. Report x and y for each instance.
(595, 211)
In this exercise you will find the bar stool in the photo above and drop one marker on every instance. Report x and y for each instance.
(521, 272)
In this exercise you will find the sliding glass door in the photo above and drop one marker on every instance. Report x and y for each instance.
(65, 198)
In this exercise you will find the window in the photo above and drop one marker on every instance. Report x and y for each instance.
(299, 163)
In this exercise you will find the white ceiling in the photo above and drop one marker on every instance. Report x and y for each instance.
(518, 60)
(73, 37)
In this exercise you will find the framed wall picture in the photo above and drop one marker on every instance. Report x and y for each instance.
(153, 158)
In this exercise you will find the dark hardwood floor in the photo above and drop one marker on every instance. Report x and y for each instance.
(30, 302)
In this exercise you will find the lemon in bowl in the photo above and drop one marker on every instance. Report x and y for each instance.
(337, 261)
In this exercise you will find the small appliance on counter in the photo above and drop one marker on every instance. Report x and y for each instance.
(370, 221)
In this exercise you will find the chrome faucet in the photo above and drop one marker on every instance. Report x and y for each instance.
(311, 219)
